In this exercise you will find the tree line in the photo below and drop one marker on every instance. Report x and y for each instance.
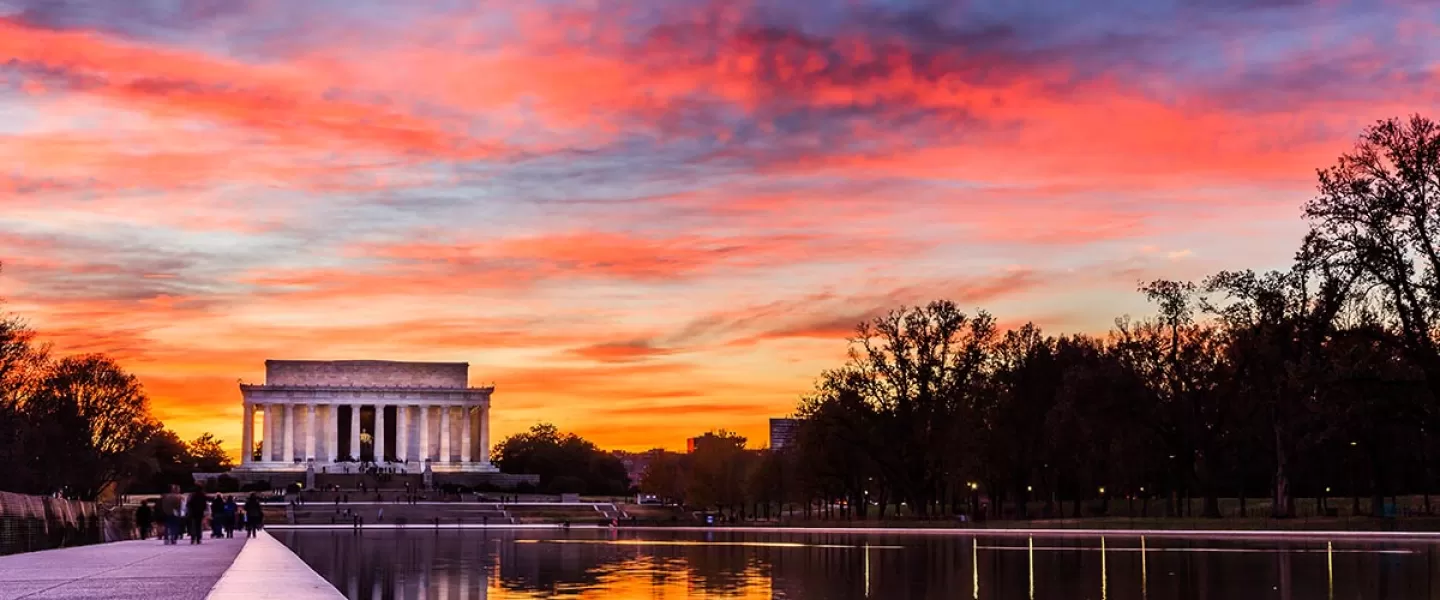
(80, 425)
(565, 462)
(1318, 380)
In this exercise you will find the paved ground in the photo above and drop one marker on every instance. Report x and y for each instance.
(142, 570)
(268, 570)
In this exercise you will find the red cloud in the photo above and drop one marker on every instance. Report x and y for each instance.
(288, 105)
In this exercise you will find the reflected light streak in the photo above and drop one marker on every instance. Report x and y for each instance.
(867, 571)
(707, 544)
(1144, 571)
(1330, 568)
(1215, 550)
(1032, 568)
(1104, 573)
(975, 565)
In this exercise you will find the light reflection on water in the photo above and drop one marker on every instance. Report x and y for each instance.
(736, 565)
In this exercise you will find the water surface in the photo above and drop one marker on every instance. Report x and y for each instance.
(655, 565)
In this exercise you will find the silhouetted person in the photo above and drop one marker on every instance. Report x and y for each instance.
(230, 512)
(195, 514)
(142, 519)
(170, 506)
(254, 516)
(217, 517)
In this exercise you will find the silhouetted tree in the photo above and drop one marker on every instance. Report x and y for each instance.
(1278, 326)
(207, 456)
(566, 463)
(93, 418)
(665, 477)
(1377, 220)
(718, 469)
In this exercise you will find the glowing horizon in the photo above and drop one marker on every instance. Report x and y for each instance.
(648, 219)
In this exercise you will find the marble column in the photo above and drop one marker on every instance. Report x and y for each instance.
(282, 418)
(332, 431)
(267, 451)
(247, 434)
(402, 433)
(445, 434)
(424, 418)
(466, 450)
(355, 432)
(485, 433)
(289, 450)
(379, 433)
(312, 432)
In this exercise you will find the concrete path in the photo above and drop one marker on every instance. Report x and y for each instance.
(267, 569)
(142, 570)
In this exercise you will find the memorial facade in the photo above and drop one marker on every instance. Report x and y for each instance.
(335, 416)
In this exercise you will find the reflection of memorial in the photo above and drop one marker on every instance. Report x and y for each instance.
(401, 415)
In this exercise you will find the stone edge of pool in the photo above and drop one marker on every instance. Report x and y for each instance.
(1177, 533)
(266, 568)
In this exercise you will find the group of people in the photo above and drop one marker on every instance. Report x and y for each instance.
(179, 514)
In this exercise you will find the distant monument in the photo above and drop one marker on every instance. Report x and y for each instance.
(409, 417)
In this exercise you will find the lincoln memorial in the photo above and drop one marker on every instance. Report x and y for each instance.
(331, 415)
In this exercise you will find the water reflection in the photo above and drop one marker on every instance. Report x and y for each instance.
(658, 565)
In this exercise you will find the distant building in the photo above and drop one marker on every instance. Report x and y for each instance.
(691, 444)
(414, 417)
(782, 433)
(636, 462)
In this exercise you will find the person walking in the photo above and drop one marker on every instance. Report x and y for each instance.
(142, 519)
(171, 505)
(217, 517)
(195, 514)
(254, 516)
(230, 513)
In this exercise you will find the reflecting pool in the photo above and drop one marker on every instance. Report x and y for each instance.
(655, 565)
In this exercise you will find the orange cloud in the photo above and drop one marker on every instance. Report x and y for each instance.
(628, 351)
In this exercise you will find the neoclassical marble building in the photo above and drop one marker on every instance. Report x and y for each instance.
(330, 414)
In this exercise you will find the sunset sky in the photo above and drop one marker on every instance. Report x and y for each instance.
(640, 219)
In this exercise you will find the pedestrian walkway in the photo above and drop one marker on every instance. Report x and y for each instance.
(266, 569)
(142, 570)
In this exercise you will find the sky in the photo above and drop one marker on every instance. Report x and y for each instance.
(641, 219)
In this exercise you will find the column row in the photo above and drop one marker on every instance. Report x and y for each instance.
(312, 432)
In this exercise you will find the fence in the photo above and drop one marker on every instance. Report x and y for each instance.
(30, 523)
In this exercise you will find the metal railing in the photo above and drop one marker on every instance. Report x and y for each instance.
(30, 523)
